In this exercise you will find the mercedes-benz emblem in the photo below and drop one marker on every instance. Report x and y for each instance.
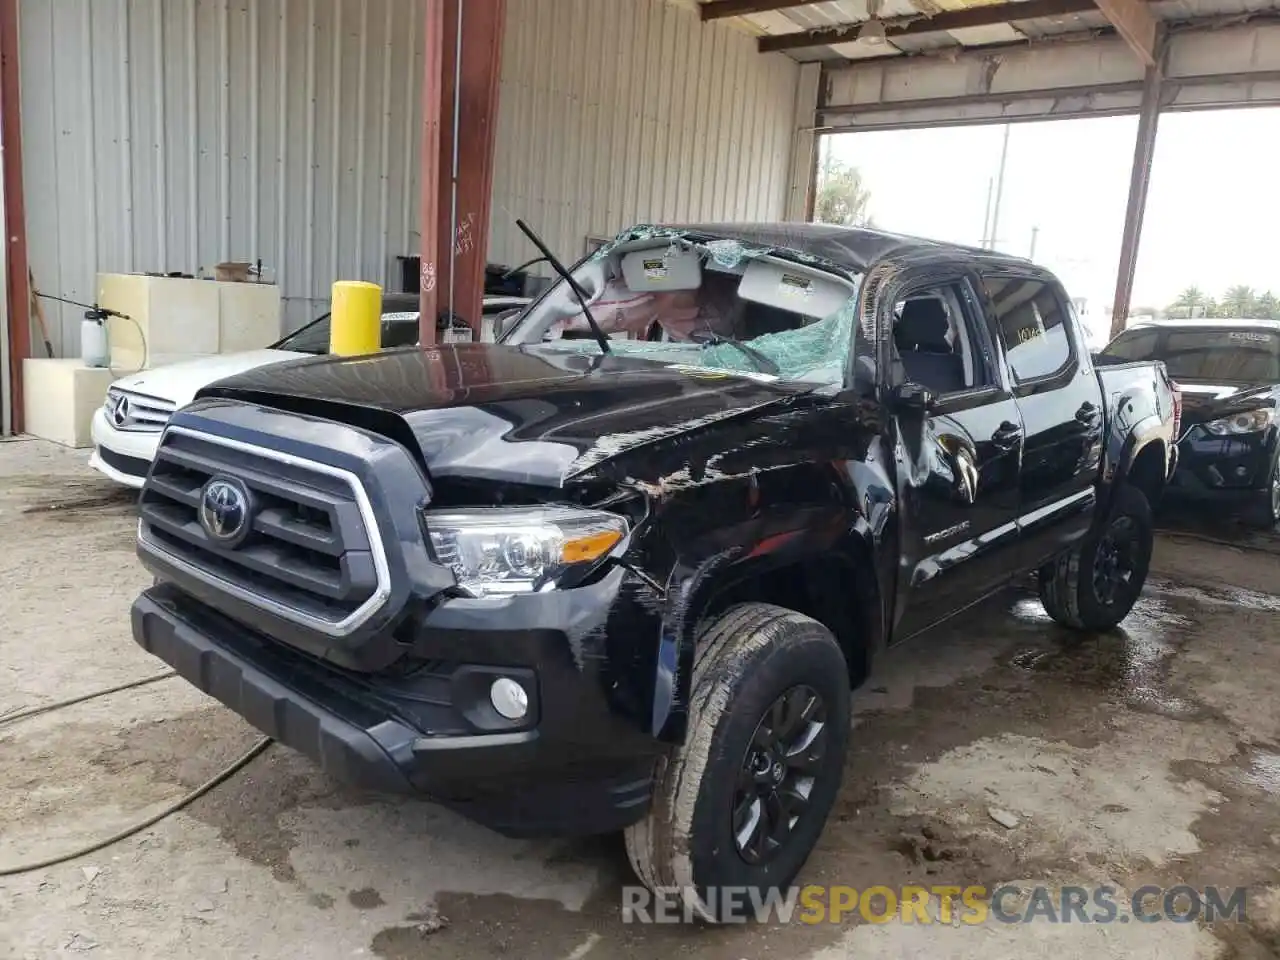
(120, 411)
(225, 510)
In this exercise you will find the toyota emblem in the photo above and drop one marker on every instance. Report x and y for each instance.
(225, 511)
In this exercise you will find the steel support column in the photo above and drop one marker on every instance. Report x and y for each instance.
(17, 289)
(1139, 179)
(429, 165)
(456, 214)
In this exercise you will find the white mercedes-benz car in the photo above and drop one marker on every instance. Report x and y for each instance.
(127, 427)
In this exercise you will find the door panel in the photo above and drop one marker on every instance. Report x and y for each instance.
(958, 463)
(958, 477)
(1059, 466)
(1060, 402)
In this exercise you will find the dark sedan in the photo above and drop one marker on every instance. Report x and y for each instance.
(1229, 372)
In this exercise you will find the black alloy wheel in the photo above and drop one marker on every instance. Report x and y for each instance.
(1095, 584)
(777, 774)
(1115, 561)
(1275, 494)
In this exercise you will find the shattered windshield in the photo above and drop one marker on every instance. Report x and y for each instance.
(710, 303)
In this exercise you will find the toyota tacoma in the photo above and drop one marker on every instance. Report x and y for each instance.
(621, 569)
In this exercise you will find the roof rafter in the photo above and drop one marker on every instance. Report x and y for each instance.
(1136, 24)
(982, 16)
(719, 9)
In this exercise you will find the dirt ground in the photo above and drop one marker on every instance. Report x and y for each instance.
(1149, 755)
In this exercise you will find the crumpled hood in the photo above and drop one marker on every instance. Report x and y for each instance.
(510, 414)
(179, 382)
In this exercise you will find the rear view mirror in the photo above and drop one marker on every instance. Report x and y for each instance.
(912, 397)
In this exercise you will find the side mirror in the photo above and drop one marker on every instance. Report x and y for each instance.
(913, 398)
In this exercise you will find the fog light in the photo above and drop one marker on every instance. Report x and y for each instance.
(509, 698)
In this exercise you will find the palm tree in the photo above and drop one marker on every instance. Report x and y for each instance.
(1189, 302)
(843, 198)
(1239, 301)
(1268, 307)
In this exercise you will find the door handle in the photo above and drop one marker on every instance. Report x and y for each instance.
(1007, 435)
(1087, 414)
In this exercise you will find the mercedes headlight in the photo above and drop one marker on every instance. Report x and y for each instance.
(505, 550)
(1250, 421)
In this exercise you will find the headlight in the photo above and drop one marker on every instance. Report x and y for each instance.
(520, 549)
(1251, 421)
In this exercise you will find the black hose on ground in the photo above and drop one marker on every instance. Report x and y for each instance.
(169, 809)
(72, 701)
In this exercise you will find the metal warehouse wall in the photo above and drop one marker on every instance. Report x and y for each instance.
(620, 111)
(165, 135)
(174, 134)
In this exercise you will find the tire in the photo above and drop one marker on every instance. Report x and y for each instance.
(1264, 513)
(749, 660)
(1070, 586)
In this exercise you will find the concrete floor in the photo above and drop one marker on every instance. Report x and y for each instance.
(1150, 755)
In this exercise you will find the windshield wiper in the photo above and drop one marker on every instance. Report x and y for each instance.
(765, 363)
(568, 278)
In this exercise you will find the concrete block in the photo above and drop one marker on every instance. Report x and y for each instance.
(60, 397)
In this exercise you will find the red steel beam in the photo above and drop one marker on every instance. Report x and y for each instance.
(1139, 179)
(1136, 23)
(466, 168)
(719, 9)
(429, 166)
(981, 16)
(19, 289)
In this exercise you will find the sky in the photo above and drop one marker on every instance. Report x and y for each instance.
(1213, 206)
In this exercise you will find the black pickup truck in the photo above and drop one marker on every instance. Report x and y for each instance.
(573, 584)
(1228, 372)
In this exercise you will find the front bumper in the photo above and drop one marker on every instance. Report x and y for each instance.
(1229, 468)
(573, 768)
(121, 455)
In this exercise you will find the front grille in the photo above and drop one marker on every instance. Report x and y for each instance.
(312, 553)
(137, 412)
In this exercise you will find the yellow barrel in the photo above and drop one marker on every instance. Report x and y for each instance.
(355, 327)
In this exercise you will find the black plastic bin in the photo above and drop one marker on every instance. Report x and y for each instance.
(410, 274)
(496, 281)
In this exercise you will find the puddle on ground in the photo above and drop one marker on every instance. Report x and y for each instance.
(1225, 531)
(1219, 596)
(1130, 662)
(1029, 611)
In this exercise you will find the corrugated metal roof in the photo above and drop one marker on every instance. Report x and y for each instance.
(855, 13)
